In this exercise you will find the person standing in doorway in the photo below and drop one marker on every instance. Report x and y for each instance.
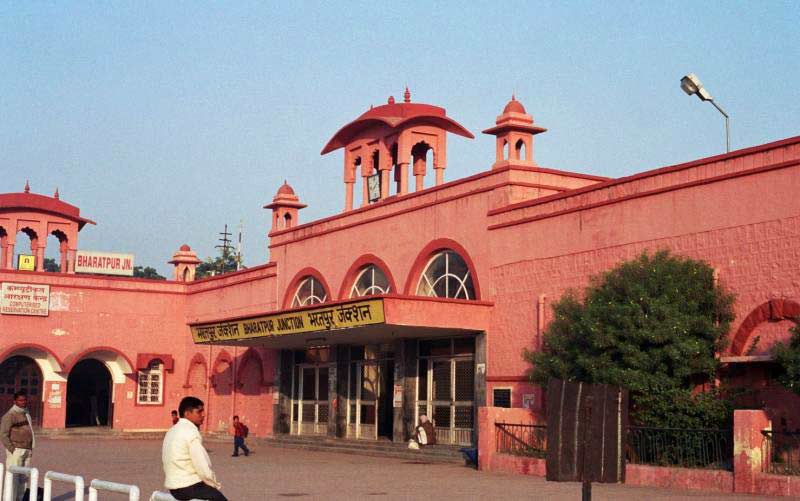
(240, 432)
(187, 467)
(16, 434)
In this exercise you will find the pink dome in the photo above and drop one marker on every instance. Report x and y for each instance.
(514, 106)
(285, 189)
(185, 248)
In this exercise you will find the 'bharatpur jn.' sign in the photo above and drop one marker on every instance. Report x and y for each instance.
(319, 319)
(104, 263)
(25, 299)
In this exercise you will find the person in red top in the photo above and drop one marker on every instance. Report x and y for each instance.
(240, 432)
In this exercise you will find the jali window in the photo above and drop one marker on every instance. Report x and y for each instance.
(370, 282)
(446, 275)
(310, 291)
(151, 383)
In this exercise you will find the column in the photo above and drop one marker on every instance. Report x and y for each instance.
(333, 394)
(63, 257)
(748, 448)
(71, 260)
(403, 178)
(10, 256)
(348, 195)
(385, 175)
(409, 365)
(282, 411)
(40, 258)
(3, 251)
(439, 174)
(480, 382)
(342, 368)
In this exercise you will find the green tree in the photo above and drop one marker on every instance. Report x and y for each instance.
(652, 325)
(787, 357)
(51, 265)
(224, 263)
(147, 272)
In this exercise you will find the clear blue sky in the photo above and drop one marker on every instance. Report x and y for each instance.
(163, 121)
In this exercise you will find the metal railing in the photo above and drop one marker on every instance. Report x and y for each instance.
(9, 489)
(102, 485)
(75, 480)
(781, 452)
(521, 439)
(688, 448)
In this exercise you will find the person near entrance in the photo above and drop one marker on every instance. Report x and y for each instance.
(240, 432)
(16, 433)
(187, 467)
(175, 417)
(424, 434)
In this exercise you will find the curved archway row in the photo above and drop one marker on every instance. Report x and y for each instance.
(223, 368)
(411, 283)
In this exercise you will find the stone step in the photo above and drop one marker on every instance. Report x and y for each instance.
(379, 448)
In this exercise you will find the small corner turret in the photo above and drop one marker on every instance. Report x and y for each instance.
(285, 208)
(185, 262)
(514, 130)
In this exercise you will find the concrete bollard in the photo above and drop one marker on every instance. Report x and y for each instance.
(75, 480)
(102, 485)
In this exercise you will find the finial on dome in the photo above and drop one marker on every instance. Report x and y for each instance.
(27, 187)
(513, 96)
(391, 100)
(55, 195)
(407, 95)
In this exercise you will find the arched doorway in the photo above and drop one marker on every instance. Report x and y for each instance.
(89, 394)
(20, 373)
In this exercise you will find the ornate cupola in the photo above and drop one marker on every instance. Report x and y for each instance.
(185, 262)
(380, 145)
(514, 130)
(285, 207)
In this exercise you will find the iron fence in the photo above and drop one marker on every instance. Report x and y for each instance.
(688, 448)
(521, 439)
(781, 452)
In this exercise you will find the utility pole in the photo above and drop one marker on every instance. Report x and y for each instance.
(225, 247)
(239, 246)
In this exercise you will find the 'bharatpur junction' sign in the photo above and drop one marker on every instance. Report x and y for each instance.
(104, 263)
(25, 299)
(319, 319)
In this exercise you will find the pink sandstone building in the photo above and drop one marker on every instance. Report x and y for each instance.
(418, 298)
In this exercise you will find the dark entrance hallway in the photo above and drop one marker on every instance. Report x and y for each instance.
(20, 373)
(89, 394)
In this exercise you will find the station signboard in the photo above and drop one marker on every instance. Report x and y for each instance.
(341, 316)
(25, 299)
(104, 263)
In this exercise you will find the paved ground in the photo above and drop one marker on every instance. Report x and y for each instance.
(277, 473)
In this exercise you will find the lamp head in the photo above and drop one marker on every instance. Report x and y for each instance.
(692, 85)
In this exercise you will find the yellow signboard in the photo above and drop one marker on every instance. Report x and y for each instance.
(26, 262)
(319, 319)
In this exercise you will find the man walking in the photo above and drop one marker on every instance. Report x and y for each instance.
(187, 468)
(240, 432)
(16, 433)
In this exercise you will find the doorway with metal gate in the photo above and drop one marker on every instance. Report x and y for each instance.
(369, 412)
(446, 388)
(310, 406)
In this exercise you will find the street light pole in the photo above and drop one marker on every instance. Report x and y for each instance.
(692, 85)
(727, 125)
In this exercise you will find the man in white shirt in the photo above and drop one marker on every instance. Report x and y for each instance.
(187, 468)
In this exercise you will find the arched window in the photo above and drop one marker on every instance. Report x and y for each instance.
(520, 147)
(310, 291)
(446, 275)
(370, 281)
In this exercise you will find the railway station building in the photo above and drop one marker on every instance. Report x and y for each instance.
(418, 298)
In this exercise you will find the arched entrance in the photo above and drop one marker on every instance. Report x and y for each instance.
(89, 394)
(20, 373)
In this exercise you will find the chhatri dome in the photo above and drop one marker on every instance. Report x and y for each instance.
(514, 106)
